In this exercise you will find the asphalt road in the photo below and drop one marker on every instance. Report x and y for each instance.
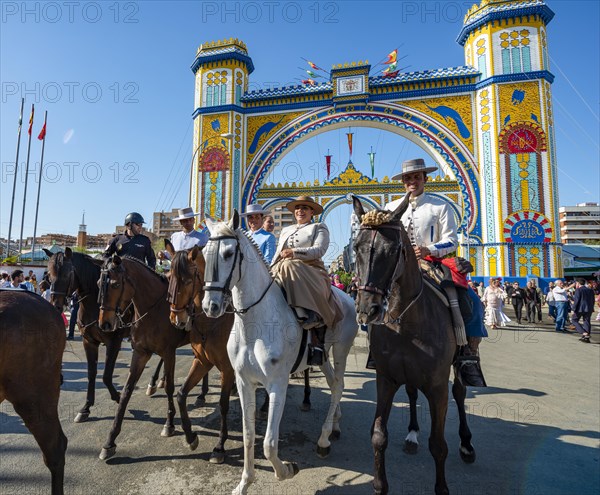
(536, 430)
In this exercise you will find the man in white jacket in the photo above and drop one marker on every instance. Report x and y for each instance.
(432, 230)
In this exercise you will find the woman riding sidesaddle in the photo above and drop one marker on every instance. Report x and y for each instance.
(298, 268)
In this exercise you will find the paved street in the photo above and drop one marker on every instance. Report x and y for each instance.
(535, 428)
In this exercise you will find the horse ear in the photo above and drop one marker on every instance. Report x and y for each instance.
(359, 211)
(234, 222)
(169, 247)
(116, 259)
(398, 212)
(48, 252)
(194, 253)
(68, 253)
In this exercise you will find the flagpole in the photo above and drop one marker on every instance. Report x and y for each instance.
(26, 177)
(37, 203)
(12, 201)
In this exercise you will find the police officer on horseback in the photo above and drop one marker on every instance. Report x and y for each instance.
(132, 242)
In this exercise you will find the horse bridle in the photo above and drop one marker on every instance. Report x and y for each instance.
(190, 307)
(104, 283)
(370, 286)
(214, 274)
(68, 291)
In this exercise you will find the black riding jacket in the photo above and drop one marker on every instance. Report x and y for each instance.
(137, 247)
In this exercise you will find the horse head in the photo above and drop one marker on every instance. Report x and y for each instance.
(185, 285)
(222, 254)
(115, 296)
(61, 273)
(382, 249)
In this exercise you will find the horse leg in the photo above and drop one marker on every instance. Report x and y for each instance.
(197, 371)
(112, 351)
(438, 406)
(227, 378)
(277, 392)
(169, 428)
(138, 361)
(466, 450)
(386, 389)
(201, 399)
(45, 428)
(411, 442)
(335, 381)
(305, 407)
(151, 390)
(247, 394)
(91, 356)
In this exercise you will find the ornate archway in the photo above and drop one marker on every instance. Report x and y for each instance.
(488, 124)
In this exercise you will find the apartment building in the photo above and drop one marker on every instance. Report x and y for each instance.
(579, 223)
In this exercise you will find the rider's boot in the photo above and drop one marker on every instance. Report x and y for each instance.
(468, 364)
(370, 361)
(457, 319)
(317, 356)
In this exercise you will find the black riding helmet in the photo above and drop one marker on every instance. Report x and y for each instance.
(134, 217)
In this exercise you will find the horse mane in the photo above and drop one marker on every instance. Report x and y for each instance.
(162, 277)
(259, 253)
(88, 272)
(180, 266)
(373, 218)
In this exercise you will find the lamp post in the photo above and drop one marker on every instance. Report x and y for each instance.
(201, 146)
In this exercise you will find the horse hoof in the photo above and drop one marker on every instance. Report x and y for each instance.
(294, 466)
(200, 401)
(107, 453)
(323, 452)
(335, 435)
(468, 456)
(193, 445)
(217, 457)
(410, 447)
(150, 391)
(161, 383)
(167, 431)
(81, 417)
(305, 407)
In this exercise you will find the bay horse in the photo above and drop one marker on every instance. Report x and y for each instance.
(267, 342)
(32, 342)
(208, 338)
(127, 281)
(70, 271)
(412, 340)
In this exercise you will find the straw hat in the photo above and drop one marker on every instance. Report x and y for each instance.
(415, 165)
(185, 213)
(254, 210)
(305, 200)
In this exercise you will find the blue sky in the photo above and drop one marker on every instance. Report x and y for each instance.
(116, 78)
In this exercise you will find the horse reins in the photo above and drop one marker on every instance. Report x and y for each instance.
(370, 287)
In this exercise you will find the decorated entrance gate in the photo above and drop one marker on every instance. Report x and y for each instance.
(487, 124)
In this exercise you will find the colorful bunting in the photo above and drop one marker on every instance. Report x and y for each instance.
(350, 134)
(372, 160)
(328, 162)
(314, 66)
(311, 82)
(391, 74)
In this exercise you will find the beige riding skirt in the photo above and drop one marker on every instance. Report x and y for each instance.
(308, 286)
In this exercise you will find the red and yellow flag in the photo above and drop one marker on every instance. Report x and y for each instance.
(42, 134)
(314, 66)
(31, 120)
(392, 57)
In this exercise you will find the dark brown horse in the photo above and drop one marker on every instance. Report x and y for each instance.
(70, 271)
(209, 338)
(32, 342)
(126, 281)
(412, 339)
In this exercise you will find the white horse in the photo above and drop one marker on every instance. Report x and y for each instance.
(266, 339)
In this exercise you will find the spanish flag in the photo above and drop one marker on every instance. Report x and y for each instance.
(314, 66)
(31, 120)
